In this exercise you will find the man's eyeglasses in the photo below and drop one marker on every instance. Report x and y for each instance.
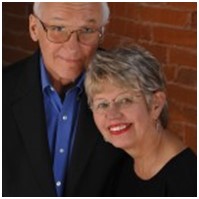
(120, 103)
(60, 34)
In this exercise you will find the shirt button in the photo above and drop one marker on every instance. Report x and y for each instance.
(58, 183)
(52, 89)
(64, 117)
(61, 150)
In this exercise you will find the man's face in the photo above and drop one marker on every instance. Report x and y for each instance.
(65, 61)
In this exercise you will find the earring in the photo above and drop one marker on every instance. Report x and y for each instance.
(157, 125)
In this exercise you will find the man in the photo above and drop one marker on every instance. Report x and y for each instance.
(51, 146)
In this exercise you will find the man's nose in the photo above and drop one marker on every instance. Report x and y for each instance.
(73, 34)
(73, 41)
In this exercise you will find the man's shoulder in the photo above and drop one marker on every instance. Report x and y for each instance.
(11, 74)
(19, 65)
(18, 68)
(13, 69)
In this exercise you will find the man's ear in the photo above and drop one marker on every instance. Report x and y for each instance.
(33, 28)
(158, 102)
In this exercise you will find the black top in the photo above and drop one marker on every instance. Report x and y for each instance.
(178, 178)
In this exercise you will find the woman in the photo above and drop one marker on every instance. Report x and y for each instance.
(126, 92)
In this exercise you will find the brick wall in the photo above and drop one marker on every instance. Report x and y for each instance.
(16, 41)
(167, 29)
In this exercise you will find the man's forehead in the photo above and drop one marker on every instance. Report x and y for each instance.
(89, 12)
(70, 5)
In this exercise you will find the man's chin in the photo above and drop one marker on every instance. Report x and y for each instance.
(69, 77)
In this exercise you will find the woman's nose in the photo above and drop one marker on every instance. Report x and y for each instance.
(113, 112)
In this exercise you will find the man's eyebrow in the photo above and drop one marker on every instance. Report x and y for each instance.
(59, 19)
(91, 21)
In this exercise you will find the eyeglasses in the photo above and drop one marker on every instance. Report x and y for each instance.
(60, 34)
(120, 103)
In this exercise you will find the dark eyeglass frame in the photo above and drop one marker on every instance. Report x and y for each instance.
(45, 27)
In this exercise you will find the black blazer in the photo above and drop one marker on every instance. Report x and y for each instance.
(26, 162)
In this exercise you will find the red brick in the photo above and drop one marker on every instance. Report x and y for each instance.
(133, 11)
(16, 24)
(170, 72)
(187, 77)
(177, 120)
(183, 57)
(111, 6)
(175, 111)
(138, 31)
(173, 36)
(118, 9)
(182, 95)
(178, 129)
(15, 8)
(182, 114)
(190, 6)
(164, 16)
(22, 41)
(159, 52)
(191, 137)
(111, 41)
(190, 115)
(30, 7)
(13, 55)
(117, 26)
(194, 20)
(154, 4)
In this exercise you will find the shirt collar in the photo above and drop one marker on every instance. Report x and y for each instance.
(45, 80)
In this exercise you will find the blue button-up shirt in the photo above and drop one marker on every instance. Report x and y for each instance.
(61, 121)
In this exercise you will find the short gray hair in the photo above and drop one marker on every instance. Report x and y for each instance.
(105, 9)
(36, 8)
(131, 67)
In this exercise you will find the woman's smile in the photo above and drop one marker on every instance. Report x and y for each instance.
(118, 129)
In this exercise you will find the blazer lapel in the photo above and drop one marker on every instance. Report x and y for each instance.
(84, 142)
(29, 114)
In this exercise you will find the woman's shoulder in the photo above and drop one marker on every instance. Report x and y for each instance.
(186, 159)
(181, 174)
(177, 153)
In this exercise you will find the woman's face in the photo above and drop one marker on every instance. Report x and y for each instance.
(122, 116)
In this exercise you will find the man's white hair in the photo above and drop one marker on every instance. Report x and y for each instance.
(37, 8)
(105, 8)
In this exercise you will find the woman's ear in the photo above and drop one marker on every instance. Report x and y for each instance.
(158, 102)
(33, 28)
